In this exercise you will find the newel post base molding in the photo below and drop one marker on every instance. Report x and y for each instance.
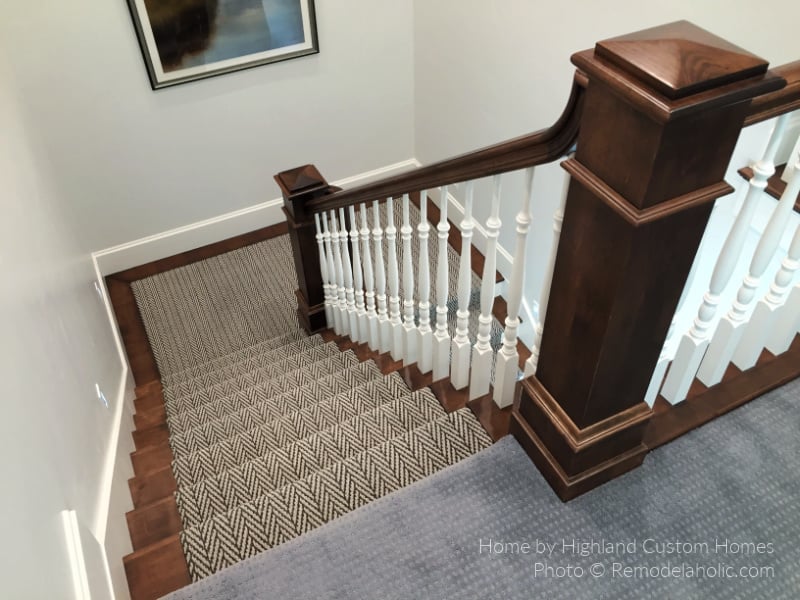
(575, 460)
(299, 186)
(661, 116)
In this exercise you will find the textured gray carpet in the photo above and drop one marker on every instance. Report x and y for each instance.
(736, 479)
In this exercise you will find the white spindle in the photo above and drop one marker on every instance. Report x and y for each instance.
(770, 321)
(410, 335)
(480, 374)
(380, 282)
(694, 344)
(547, 283)
(459, 369)
(358, 281)
(441, 338)
(342, 319)
(725, 346)
(425, 362)
(323, 269)
(347, 267)
(373, 336)
(788, 324)
(333, 285)
(664, 361)
(505, 376)
(395, 322)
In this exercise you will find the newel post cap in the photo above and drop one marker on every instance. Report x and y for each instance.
(677, 69)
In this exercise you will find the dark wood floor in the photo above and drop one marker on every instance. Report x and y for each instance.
(157, 565)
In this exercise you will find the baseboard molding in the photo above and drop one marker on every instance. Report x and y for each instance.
(209, 231)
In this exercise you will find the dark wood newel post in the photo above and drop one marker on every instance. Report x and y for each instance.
(299, 186)
(662, 113)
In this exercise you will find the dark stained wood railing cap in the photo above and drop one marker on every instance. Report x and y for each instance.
(300, 181)
(677, 69)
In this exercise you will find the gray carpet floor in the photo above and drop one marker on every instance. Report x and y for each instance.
(735, 481)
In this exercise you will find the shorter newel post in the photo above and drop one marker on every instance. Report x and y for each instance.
(299, 186)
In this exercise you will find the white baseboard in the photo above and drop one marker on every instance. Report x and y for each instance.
(216, 229)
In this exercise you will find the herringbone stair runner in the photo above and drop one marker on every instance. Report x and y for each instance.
(271, 432)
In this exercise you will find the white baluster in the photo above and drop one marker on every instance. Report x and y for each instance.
(441, 337)
(380, 282)
(333, 287)
(547, 283)
(358, 280)
(725, 346)
(342, 319)
(373, 336)
(769, 321)
(347, 267)
(425, 363)
(410, 335)
(661, 369)
(788, 326)
(505, 376)
(461, 347)
(323, 269)
(395, 322)
(480, 374)
(694, 344)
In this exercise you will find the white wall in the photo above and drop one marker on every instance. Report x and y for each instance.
(488, 71)
(130, 162)
(57, 440)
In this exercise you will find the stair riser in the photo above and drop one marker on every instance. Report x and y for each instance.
(220, 494)
(310, 402)
(278, 360)
(269, 385)
(211, 460)
(330, 493)
(235, 379)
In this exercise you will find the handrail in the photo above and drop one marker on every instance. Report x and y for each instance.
(529, 150)
(779, 102)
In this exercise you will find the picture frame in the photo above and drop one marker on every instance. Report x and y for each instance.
(187, 40)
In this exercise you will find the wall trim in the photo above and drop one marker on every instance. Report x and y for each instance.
(208, 231)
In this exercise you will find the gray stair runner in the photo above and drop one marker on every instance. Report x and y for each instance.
(265, 401)
(331, 492)
(274, 432)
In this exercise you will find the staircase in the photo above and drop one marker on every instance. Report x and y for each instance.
(241, 447)
(258, 432)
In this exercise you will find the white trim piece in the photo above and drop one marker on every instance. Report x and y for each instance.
(72, 534)
(791, 146)
(215, 229)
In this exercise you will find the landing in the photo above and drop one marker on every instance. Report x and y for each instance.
(734, 480)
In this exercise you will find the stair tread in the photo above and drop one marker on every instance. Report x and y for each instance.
(153, 522)
(153, 486)
(349, 376)
(242, 366)
(269, 386)
(239, 485)
(148, 418)
(221, 456)
(295, 404)
(329, 493)
(157, 569)
(265, 346)
(150, 436)
(233, 379)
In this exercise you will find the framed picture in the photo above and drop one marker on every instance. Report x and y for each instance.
(184, 40)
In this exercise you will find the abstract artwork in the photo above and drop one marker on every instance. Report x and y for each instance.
(184, 40)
